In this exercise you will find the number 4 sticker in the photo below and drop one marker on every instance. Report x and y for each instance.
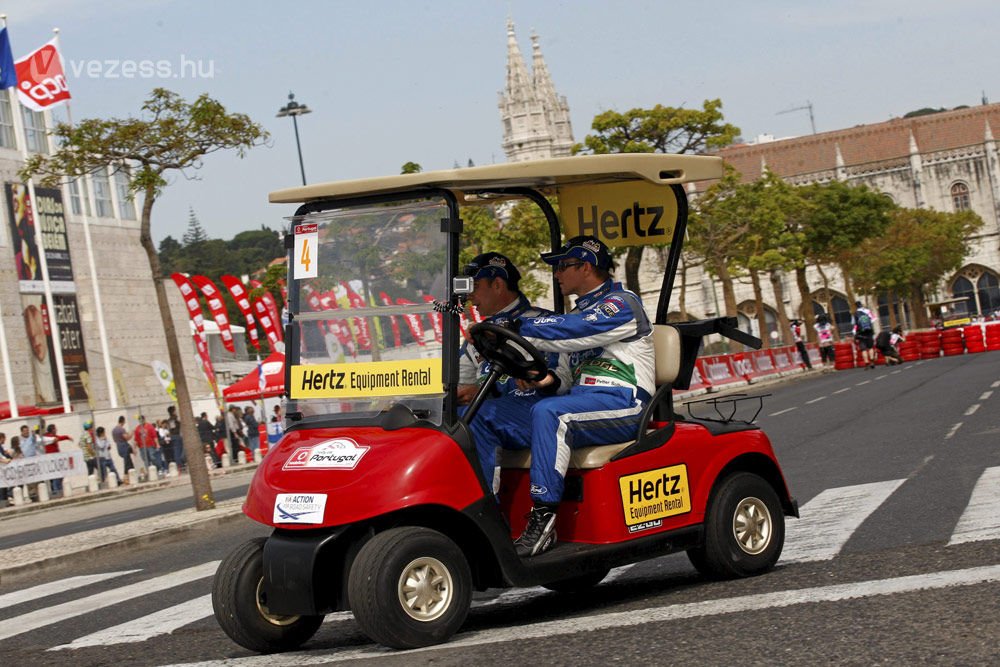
(305, 255)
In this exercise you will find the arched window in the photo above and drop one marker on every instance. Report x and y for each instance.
(960, 196)
(989, 293)
(962, 288)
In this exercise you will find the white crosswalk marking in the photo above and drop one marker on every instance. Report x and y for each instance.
(11, 627)
(981, 519)
(158, 623)
(829, 519)
(53, 587)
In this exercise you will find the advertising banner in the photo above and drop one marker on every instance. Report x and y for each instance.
(718, 370)
(42, 467)
(26, 222)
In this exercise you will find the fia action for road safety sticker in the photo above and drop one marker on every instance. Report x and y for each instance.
(336, 454)
(299, 508)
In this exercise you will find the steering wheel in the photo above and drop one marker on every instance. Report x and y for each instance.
(508, 350)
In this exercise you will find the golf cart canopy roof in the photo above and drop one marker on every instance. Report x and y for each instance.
(656, 168)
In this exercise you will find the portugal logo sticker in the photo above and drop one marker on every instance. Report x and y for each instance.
(336, 454)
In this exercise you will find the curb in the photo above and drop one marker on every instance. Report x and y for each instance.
(182, 523)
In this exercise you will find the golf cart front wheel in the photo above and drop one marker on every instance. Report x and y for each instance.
(241, 606)
(744, 529)
(410, 587)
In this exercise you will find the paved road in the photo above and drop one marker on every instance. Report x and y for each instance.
(896, 560)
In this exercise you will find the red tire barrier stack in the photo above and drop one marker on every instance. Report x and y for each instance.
(993, 336)
(843, 356)
(930, 344)
(951, 342)
(974, 339)
(909, 349)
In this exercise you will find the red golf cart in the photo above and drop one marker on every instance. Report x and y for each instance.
(377, 501)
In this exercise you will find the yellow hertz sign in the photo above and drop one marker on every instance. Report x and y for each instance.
(620, 214)
(365, 380)
(649, 497)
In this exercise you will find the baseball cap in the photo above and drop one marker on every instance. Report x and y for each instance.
(587, 248)
(493, 265)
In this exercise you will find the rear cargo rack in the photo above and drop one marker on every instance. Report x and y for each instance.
(726, 406)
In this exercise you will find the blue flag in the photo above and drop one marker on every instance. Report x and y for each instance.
(8, 75)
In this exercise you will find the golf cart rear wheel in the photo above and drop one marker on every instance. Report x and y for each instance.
(241, 606)
(410, 587)
(578, 584)
(744, 529)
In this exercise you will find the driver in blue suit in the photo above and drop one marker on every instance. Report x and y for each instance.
(497, 297)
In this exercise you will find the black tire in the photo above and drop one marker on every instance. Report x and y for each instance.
(376, 588)
(241, 610)
(577, 584)
(744, 529)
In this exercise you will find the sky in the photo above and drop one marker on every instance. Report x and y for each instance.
(393, 81)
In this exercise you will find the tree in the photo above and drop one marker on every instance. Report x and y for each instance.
(195, 232)
(173, 135)
(411, 168)
(917, 249)
(657, 130)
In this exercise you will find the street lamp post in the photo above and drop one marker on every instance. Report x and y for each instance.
(294, 109)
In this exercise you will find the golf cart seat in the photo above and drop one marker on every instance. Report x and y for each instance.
(667, 348)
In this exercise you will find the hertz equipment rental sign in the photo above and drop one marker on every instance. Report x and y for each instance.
(651, 496)
(365, 380)
(620, 214)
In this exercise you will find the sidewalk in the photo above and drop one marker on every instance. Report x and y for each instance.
(39, 555)
(36, 556)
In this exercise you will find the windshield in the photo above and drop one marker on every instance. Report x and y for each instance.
(365, 335)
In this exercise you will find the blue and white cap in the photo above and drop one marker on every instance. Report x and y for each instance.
(493, 265)
(585, 248)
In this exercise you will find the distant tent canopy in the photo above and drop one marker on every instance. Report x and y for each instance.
(248, 388)
(27, 410)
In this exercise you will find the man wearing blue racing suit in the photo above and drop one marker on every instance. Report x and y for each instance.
(497, 297)
(604, 378)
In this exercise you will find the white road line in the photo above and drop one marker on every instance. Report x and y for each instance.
(829, 519)
(995, 384)
(985, 395)
(841, 391)
(952, 431)
(158, 623)
(881, 376)
(53, 587)
(662, 614)
(972, 409)
(896, 372)
(18, 625)
(861, 383)
(815, 400)
(980, 520)
(781, 412)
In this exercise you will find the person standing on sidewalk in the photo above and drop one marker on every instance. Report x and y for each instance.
(87, 444)
(5, 458)
(206, 433)
(121, 438)
(824, 332)
(105, 463)
(252, 426)
(176, 441)
(147, 440)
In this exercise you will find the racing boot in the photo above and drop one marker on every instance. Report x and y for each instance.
(539, 535)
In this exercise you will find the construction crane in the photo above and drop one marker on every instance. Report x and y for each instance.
(809, 107)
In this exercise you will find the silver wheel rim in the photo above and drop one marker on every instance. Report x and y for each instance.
(425, 589)
(265, 613)
(752, 525)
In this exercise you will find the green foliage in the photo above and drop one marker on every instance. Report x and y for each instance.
(660, 130)
(518, 231)
(841, 217)
(917, 249)
(411, 168)
(195, 232)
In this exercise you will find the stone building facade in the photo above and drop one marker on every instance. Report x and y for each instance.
(535, 119)
(945, 161)
(131, 316)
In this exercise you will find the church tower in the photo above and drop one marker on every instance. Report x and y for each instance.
(536, 121)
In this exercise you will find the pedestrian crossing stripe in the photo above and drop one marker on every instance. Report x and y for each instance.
(980, 520)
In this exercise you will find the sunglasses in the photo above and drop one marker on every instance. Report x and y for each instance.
(567, 265)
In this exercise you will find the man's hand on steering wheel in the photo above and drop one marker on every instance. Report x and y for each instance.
(509, 351)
